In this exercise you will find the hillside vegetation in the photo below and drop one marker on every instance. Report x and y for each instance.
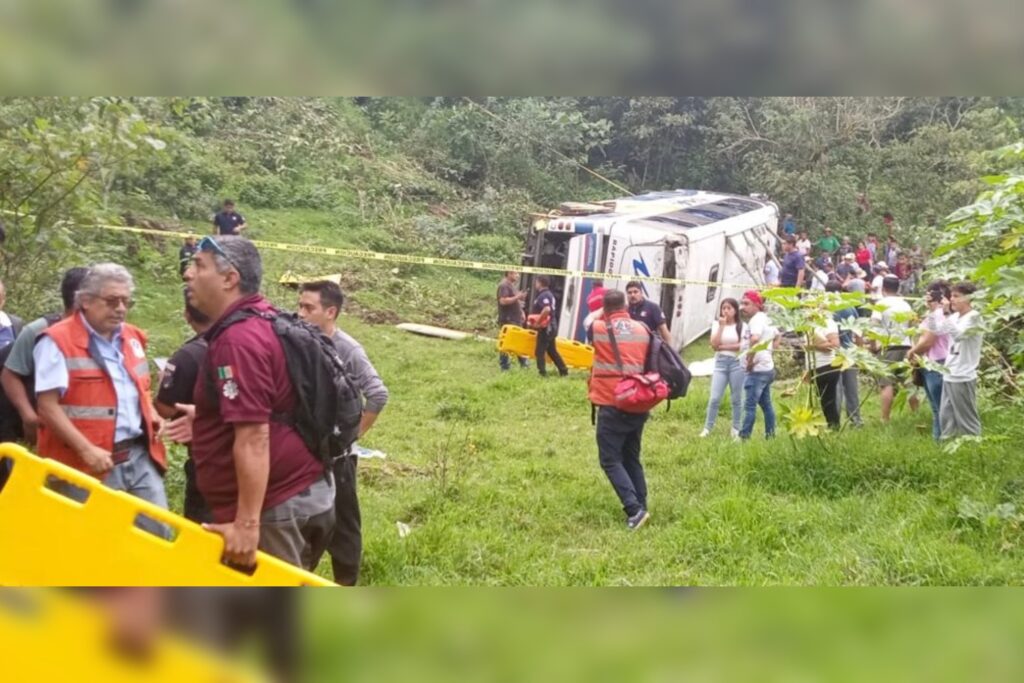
(496, 475)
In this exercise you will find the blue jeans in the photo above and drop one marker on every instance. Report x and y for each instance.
(138, 476)
(757, 391)
(728, 373)
(933, 389)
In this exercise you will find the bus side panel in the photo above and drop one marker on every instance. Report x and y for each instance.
(584, 255)
(632, 251)
(705, 264)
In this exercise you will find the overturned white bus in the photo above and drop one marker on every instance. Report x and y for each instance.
(693, 235)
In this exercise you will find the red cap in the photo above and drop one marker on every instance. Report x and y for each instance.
(754, 297)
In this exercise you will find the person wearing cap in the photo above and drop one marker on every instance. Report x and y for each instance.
(854, 282)
(758, 365)
(847, 264)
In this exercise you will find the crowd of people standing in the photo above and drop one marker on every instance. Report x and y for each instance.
(77, 387)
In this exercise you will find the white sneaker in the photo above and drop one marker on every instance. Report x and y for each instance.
(704, 433)
(735, 433)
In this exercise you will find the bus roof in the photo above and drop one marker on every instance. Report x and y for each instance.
(673, 210)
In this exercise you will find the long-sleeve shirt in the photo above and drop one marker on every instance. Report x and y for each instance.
(362, 371)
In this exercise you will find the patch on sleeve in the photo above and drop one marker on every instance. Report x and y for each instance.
(230, 390)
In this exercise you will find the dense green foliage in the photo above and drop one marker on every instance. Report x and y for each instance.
(496, 475)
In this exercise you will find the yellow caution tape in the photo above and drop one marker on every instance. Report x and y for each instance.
(413, 259)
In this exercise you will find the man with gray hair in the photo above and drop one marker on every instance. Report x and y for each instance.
(265, 489)
(92, 384)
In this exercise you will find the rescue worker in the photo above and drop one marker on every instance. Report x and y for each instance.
(92, 384)
(619, 433)
(544, 317)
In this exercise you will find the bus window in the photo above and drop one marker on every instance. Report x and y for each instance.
(713, 277)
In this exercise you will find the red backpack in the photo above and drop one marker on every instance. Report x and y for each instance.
(637, 393)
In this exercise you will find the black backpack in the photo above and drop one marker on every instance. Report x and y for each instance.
(328, 404)
(664, 360)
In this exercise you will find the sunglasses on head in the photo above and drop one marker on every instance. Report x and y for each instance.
(209, 244)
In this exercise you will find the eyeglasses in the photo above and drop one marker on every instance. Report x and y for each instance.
(210, 245)
(115, 301)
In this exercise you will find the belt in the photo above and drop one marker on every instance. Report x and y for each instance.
(122, 449)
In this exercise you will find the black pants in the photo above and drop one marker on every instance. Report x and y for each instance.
(195, 506)
(346, 544)
(827, 378)
(618, 450)
(546, 345)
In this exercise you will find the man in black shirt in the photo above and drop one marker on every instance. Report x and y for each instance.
(177, 383)
(229, 221)
(544, 319)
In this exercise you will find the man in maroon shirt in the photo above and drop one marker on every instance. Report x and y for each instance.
(264, 487)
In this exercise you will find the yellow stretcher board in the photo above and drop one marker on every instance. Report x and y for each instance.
(52, 636)
(521, 341)
(48, 539)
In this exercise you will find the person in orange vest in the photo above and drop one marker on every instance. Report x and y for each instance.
(92, 384)
(619, 433)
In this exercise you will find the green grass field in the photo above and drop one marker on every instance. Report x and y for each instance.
(496, 475)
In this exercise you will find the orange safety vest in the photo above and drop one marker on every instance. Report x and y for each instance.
(633, 339)
(90, 401)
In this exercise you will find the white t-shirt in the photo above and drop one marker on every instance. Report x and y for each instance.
(760, 326)
(771, 272)
(965, 347)
(876, 286)
(729, 336)
(818, 280)
(884, 322)
(820, 334)
(804, 246)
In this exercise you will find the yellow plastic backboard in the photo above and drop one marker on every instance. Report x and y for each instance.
(48, 539)
(51, 636)
(521, 341)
